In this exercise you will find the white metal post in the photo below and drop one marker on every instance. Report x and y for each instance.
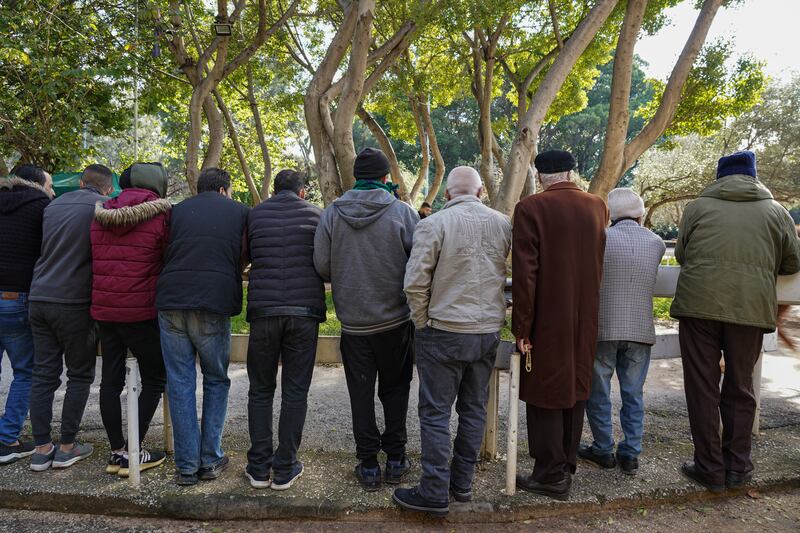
(132, 380)
(513, 425)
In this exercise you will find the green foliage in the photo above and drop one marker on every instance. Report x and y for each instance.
(661, 308)
(583, 133)
(714, 91)
(65, 79)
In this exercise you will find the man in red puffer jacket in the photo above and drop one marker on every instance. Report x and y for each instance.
(129, 237)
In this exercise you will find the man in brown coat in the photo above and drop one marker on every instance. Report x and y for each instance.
(558, 245)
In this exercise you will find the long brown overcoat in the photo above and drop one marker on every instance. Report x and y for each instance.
(558, 244)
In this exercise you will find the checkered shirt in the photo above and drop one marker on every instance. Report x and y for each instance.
(630, 267)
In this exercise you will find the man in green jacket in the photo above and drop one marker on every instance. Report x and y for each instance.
(734, 242)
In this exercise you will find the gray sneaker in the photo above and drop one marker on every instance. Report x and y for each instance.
(78, 452)
(42, 461)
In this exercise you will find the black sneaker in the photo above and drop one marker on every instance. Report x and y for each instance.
(411, 500)
(257, 481)
(689, 469)
(629, 465)
(461, 495)
(147, 460)
(10, 454)
(287, 482)
(370, 478)
(114, 462)
(208, 473)
(395, 470)
(734, 480)
(606, 461)
(186, 480)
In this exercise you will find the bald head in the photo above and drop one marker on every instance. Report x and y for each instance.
(463, 181)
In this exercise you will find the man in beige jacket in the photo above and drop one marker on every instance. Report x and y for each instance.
(454, 284)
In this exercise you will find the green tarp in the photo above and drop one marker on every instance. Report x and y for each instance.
(70, 181)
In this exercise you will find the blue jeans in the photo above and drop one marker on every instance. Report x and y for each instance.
(16, 340)
(452, 367)
(184, 334)
(631, 361)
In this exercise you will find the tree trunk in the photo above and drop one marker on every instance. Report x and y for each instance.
(262, 141)
(437, 156)
(352, 89)
(622, 156)
(612, 160)
(527, 137)
(422, 173)
(386, 145)
(216, 134)
(255, 197)
(328, 174)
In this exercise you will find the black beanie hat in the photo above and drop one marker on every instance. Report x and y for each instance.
(554, 161)
(371, 164)
(743, 162)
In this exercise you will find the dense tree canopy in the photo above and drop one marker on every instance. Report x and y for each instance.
(254, 85)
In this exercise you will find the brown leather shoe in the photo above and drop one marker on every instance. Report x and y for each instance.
(557, 491)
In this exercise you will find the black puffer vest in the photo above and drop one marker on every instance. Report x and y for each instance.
(283, 281)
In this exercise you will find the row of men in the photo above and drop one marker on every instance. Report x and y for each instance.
(163, 282)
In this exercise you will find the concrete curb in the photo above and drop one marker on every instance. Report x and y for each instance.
(262, 507)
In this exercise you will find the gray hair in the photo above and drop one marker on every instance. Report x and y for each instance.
(463, 181)
(551, 179)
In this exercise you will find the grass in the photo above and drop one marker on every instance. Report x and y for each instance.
(333, 327)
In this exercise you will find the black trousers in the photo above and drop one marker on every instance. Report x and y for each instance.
(144, 341)
(553, 439)
(292, 340)
(702, 342)
(67, 331)
(389, 355)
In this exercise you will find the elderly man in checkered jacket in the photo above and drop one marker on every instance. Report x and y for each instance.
(626, 332)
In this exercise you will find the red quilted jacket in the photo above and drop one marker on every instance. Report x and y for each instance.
(129, 237)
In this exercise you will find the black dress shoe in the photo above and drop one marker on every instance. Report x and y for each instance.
(606, 461)
(734, 480)
(629, 465)
(411, 500)
(557, 491)
(207, 473)
(689, 469)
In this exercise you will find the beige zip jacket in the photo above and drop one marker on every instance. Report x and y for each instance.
(456, 274)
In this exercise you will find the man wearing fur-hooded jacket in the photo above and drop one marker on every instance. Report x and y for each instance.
(129, 237)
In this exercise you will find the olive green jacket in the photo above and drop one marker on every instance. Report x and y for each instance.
(734, 241)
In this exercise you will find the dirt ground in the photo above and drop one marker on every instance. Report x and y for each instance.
(775, 512)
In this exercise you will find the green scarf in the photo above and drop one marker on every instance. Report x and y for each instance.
(368, 185)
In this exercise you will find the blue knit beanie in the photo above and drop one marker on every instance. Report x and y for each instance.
(743, 162)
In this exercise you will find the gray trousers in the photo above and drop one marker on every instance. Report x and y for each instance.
(452, 367)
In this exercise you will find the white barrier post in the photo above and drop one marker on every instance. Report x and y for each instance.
(513, 423)
(132, 379)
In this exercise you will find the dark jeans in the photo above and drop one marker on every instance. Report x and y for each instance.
(67, 331)
(450, 366)
(389, 355)
(702, 344)
(187, 336)
(17, 341)
(144, 341)
(292, 340)
(553, 439)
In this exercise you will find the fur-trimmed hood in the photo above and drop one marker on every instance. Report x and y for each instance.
(16, 192)
(129, 209)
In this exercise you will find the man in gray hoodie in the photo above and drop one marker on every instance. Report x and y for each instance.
(362, 245)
